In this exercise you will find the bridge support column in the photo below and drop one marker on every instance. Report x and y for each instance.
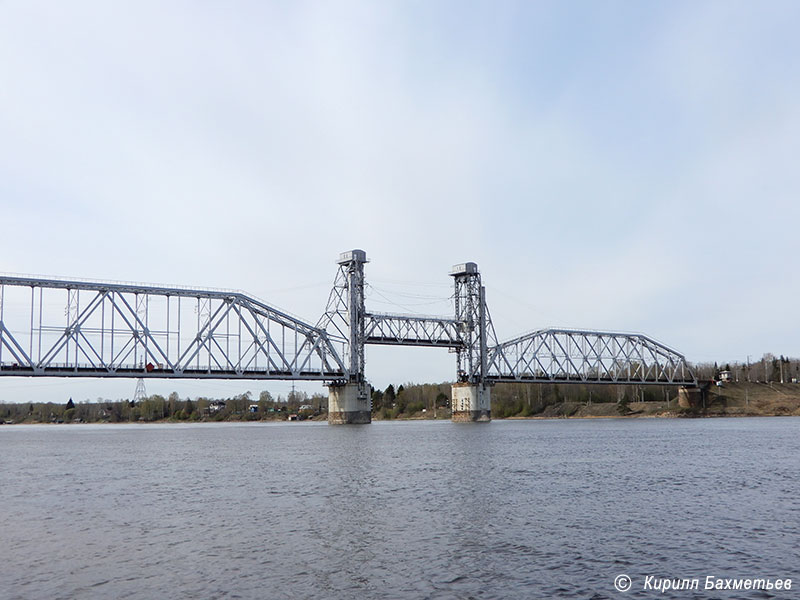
(690, 397)
(471, 402)
(348, 404)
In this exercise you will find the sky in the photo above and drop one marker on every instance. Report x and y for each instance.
(622, 166)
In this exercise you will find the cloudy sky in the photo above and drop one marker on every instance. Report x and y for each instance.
(609, 165)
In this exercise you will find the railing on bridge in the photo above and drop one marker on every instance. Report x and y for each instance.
(56, 327)
(572, 356)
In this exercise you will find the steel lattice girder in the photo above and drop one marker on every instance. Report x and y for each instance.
(122, 330)
(99, 329)
(407, 330)
(574, 356)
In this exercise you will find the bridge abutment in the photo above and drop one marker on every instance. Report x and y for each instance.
(471, 402)
(690, 397)
(348, 404)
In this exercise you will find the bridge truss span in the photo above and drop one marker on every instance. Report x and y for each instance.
(412, 330)
(574, 356)
(53, 327)
(70, 328)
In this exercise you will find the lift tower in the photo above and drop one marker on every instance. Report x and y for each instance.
(471, 394)
(344, 318)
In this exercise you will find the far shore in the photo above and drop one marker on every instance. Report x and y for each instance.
(647, 412)
(731, 399)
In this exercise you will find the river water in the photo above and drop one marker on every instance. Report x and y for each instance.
(405, 510)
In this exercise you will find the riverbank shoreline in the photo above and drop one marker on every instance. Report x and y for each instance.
(698, 415)
(728, 400)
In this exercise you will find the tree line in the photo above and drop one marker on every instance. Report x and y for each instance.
(242, 407)
(767, 369)
(509, 399)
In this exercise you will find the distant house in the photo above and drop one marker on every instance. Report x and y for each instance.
(216, 406)
(253, 408)
(724, 375)
(306, 407)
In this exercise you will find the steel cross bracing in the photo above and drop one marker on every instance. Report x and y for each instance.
(344, 314)
(51, 327)
(475, 327)
(572, 356)
(411, 330)
(553, 356)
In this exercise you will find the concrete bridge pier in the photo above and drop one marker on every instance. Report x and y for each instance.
(471, 402)
(690, 397)
(349, 404)
(694, 396)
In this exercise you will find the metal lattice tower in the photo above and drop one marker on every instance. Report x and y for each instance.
(140, 393)
(474, 322)
(345, 315)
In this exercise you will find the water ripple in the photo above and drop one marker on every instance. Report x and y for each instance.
(396, 510)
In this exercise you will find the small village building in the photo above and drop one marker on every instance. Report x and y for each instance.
(215, 406)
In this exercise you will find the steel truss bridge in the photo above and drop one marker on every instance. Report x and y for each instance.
(68, 328)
